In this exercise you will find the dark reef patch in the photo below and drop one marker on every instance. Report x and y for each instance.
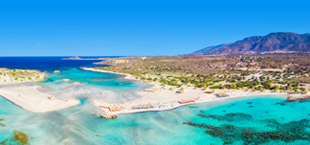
(49, 80)
(227, 117)
(286, 132)
(230, 134)
(280, 103)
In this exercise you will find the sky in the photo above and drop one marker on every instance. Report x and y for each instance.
(140, 28)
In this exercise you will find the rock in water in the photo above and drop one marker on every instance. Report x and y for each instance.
(114, 116)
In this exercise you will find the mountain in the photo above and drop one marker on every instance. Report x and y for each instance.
(272, 43)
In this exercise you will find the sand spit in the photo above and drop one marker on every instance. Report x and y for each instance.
(127, 76)
(29, 98)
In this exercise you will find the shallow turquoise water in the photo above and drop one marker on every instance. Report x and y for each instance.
(77, 125)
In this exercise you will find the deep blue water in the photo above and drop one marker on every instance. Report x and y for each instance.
(77, 125)
(44, 63)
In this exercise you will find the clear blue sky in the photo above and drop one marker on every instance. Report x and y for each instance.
(148, 27)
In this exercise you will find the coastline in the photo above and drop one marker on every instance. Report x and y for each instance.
(126, 76)
(177, 105)
(181, 105)
(170, 100)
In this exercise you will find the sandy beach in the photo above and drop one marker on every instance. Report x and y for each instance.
(29, 98)
(127, 76)
(164, 99)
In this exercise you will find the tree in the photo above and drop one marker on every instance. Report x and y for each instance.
(295, 89)
(276, 89)
(302, 89)
(204, 88)
(289, 87)
(253, 88)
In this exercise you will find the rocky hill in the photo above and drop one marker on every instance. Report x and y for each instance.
(272, 43)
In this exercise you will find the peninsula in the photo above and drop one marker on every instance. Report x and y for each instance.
(183, 80)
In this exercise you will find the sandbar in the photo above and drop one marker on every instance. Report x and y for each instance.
(29, 98)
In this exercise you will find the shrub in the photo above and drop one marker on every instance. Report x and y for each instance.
(302, 89)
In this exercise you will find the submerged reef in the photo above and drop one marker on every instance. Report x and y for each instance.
(226, 117)
(286, 132)
(1, 124)
(18, 137)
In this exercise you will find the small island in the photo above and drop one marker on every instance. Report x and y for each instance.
(78, 58)
(72, 58)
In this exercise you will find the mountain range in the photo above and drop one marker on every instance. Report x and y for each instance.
(283, 42)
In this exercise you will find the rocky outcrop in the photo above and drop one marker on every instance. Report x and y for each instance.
(108, 116)
(303, 98)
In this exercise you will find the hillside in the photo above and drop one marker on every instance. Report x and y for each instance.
(272, 43)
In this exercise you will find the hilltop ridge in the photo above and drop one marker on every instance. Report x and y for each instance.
(282, 42)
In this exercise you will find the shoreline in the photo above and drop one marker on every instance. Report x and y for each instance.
(169, 99)
(126, 76)
(220, 99)
(200, 102)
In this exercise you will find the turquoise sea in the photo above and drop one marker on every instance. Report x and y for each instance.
(246, 120)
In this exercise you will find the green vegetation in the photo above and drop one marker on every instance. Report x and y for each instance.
(277, 72)
(218, 60)
(18, 75)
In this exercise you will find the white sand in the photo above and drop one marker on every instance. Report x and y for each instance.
(127, 76)
(29, 98)
(167, 100)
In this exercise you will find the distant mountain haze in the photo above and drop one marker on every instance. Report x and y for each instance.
(272, 43)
